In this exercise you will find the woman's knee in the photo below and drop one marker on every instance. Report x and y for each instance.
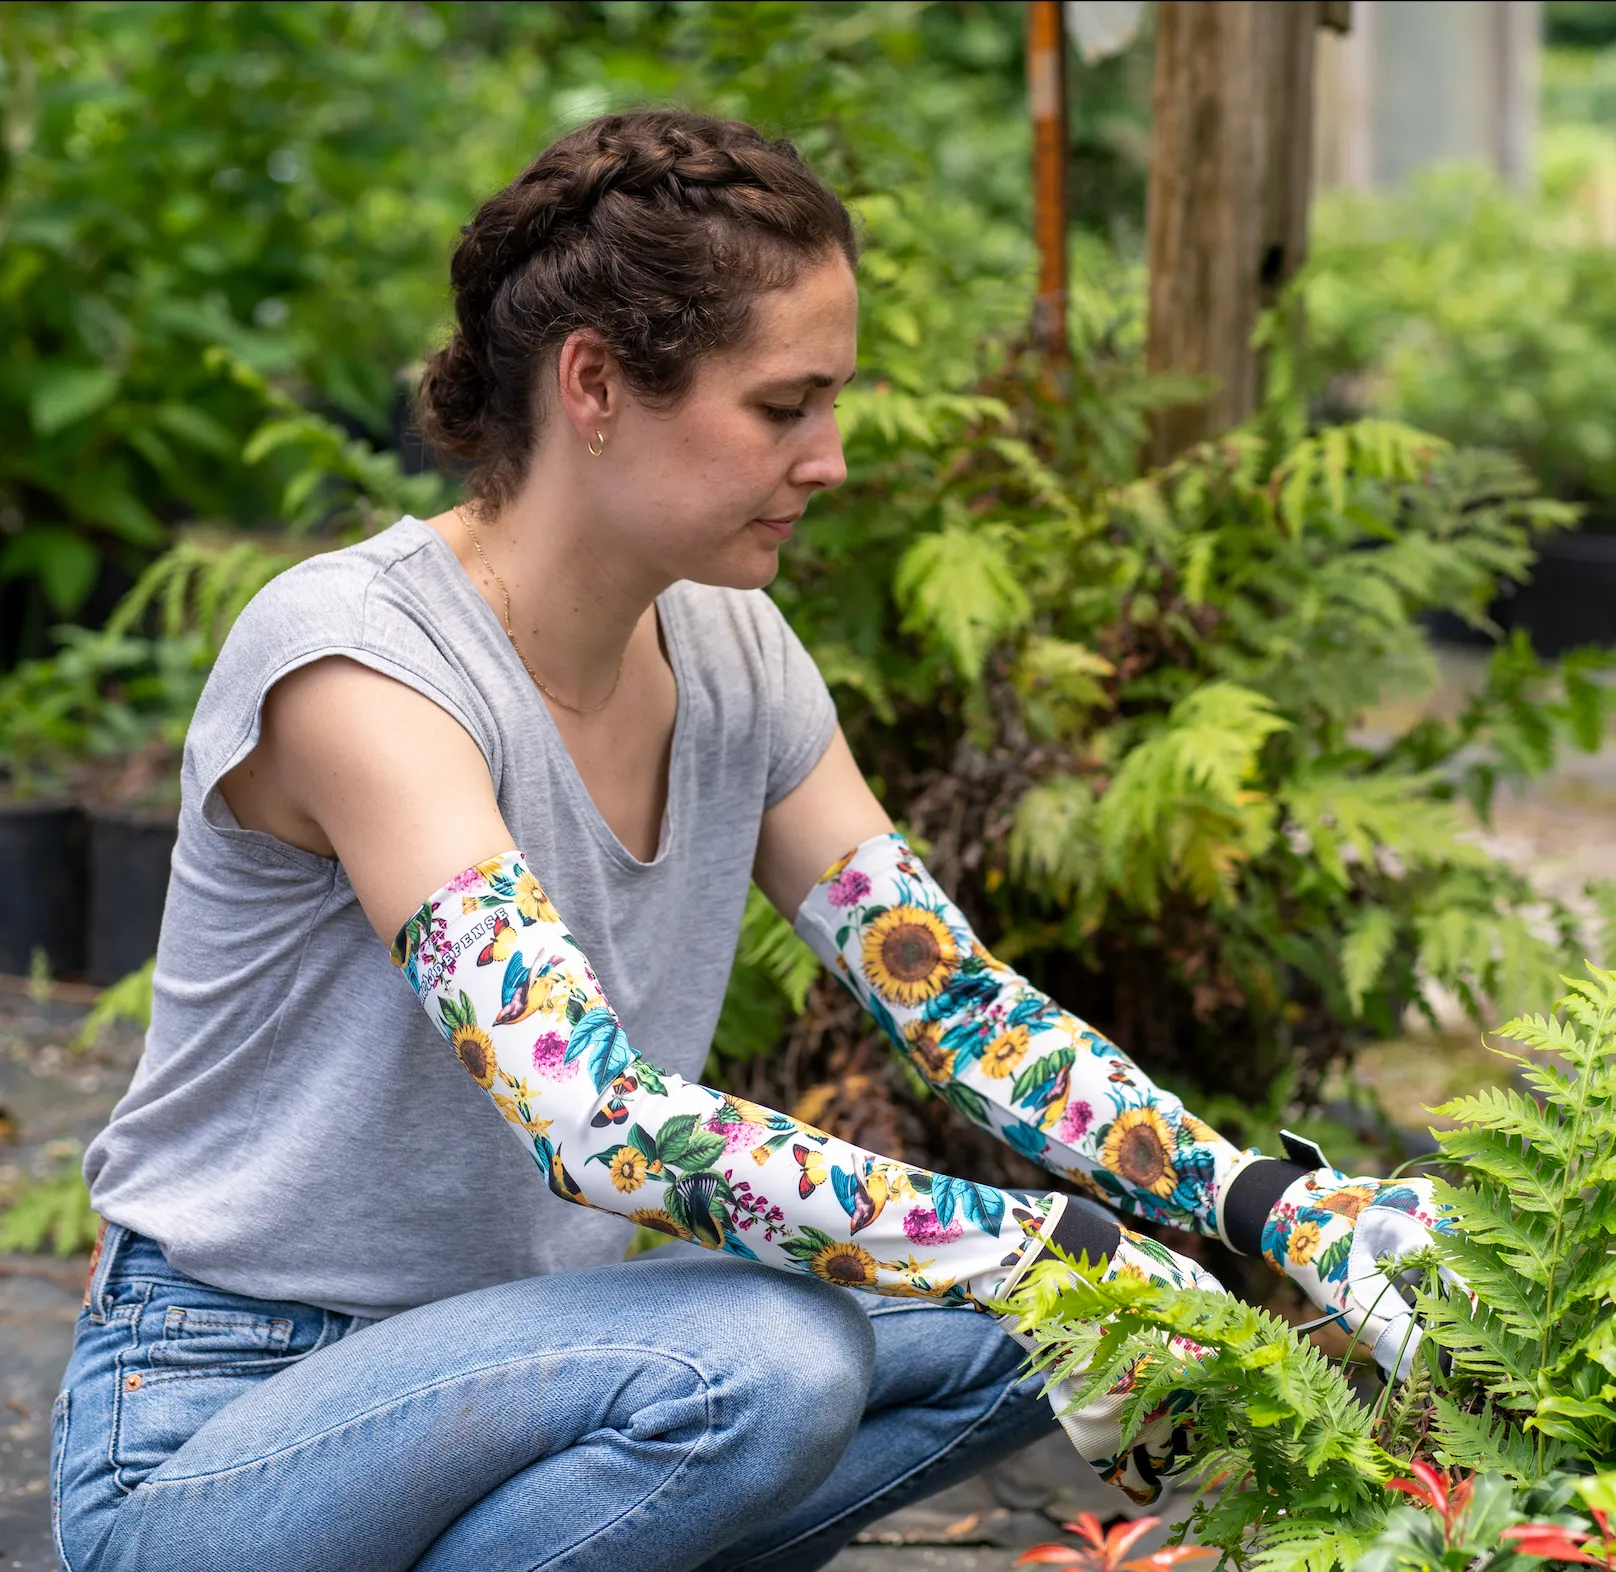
(800, 1356)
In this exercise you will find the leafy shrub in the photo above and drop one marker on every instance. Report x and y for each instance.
(1477, 313)
(190, 191)
(1516, 1385)
(1123, 713)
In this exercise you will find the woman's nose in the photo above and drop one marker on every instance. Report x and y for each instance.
(825, 467)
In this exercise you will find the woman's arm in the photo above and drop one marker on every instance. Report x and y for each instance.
(1011, 1059)
(355, 765)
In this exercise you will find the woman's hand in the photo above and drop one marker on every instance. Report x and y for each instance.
(1162, 1445)
(1328, 1232)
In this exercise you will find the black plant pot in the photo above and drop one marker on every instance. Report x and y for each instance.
(129, 859)
(1572, 597)
(1571, 600)
(42, 876)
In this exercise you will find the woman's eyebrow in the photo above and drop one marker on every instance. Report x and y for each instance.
(810, 379)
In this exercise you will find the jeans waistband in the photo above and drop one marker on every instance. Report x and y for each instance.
(120, 1252)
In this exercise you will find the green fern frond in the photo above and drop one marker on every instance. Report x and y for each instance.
(770, 943)
(958, 586)
(51, 1212)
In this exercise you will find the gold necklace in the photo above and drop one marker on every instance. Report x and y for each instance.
(510, 633)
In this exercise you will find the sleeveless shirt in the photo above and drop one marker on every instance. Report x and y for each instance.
(296, 1128)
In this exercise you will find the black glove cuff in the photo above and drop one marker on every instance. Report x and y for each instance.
(1251, 1198)
(1080, 1230)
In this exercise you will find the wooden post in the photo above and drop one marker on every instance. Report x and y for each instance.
(1046, 98)
(1230, 177)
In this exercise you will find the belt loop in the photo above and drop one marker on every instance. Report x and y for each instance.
(109, 1237)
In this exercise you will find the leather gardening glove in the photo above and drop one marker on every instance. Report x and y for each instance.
(1326, 1232)
(1162, 1445)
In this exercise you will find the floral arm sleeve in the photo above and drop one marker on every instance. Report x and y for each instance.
(517, 1002)
(1010, 1058)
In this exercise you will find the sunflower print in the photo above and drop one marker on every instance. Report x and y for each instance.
(1003, 1052)
(924, 1042)
(531, 901)
(660, 1221)
(1304, 1243)
(474, 1048)
(1138, 1150)
(850, 1265)
(522, 1010)
(1002, 1056)
(627, 1169)
(908, 955)
(1348, 1201)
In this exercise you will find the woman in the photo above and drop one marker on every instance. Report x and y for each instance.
(338, 1320)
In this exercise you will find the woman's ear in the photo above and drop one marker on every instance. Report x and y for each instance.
(590, 383)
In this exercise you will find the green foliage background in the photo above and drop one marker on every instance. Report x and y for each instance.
(1122, 711)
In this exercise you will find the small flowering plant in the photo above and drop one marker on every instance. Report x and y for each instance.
(1103, 1550)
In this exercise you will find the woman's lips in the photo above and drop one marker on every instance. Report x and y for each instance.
(780, 527)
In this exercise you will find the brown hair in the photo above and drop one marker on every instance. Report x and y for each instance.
(657, 229)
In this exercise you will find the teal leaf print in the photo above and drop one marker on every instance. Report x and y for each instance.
(644, 1142)
(882, 1017)
(735, 1245)
(599, 1041)
(981, 1205)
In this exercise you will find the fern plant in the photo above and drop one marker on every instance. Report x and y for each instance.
(1275, 1419)
(1534, 1357)
(1127, 710)
(1514, 1385)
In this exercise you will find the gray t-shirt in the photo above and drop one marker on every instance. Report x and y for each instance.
(297, 1128)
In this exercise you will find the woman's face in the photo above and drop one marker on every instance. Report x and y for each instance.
(711, 489)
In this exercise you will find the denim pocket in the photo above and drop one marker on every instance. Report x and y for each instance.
(211, 1339)
(186, 1363)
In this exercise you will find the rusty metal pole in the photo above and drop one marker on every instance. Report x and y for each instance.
(1046, 98)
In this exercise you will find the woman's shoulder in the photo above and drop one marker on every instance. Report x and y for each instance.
(377, 602)
(331, 592)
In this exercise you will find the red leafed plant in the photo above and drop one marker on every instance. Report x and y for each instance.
(1431, 1489)
(1554, 1543)
(1108, 1549)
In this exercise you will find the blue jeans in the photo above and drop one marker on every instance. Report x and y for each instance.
(678, 1411)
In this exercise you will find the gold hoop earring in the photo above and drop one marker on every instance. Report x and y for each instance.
(600, 438)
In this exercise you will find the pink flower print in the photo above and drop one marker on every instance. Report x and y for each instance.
(848, 888)
(737, 1137)
(550, 1057)
(471, 879)
(921, 1225)
(1075, 1122)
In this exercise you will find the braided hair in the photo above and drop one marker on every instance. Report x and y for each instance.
(657, 229)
